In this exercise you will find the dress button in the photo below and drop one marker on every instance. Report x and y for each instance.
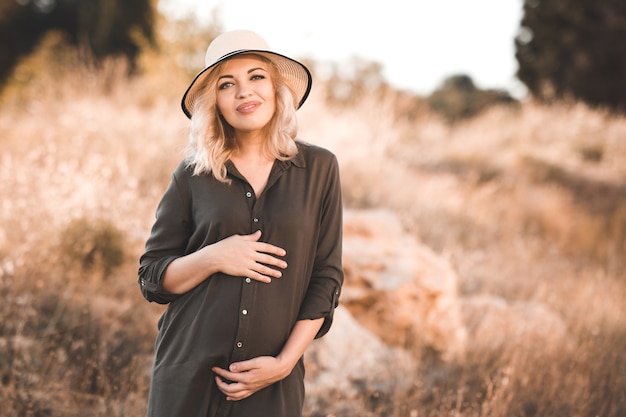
(248, 194)
(256, 220)
(248, 280)
(244, 312)
(239, 344)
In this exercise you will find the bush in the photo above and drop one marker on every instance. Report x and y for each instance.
(458, 98)
(92, 245)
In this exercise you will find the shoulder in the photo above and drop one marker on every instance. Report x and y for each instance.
(183, 177)
(183, 169)
(185, 172)
(315, 154)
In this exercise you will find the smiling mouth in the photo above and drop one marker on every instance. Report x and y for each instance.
(248, 107)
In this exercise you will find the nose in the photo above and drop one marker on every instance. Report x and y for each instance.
(243, 90)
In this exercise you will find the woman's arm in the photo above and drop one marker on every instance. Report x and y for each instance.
(248, 377)
(237, 255)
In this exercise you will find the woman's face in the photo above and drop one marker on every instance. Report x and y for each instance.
(246, 96)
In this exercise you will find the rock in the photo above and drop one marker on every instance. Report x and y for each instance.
(493, 323)
(350, 356)
(350, 363)
(397, 287)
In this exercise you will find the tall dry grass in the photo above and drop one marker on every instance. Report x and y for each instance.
(528, 204)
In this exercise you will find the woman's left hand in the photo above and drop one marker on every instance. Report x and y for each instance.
(249, 376)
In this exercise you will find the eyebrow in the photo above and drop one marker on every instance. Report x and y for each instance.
(251, 70)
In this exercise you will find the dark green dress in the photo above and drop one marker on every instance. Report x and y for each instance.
(227, 319)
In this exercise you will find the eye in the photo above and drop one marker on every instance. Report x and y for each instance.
(257, 77)
(224, 85)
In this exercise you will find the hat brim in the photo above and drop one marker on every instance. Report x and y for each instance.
(295, 74)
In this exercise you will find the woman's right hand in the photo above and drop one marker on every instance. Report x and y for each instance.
(245, 256)
(237, 255)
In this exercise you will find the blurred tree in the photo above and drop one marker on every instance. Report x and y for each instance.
(185, 40)
(101, 28)
(573, 48)
(458, 98)
(349, 81)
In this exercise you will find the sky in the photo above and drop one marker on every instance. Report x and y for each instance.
(418, 43)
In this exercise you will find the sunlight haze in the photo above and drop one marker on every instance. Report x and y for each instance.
(418, 43)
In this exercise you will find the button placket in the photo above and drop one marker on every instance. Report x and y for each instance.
(247, 291)
(250, 197)
(244, 322)
(256, 215)
(246, 303)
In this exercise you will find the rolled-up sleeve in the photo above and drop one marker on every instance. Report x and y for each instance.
(322, 296)
(167, 242)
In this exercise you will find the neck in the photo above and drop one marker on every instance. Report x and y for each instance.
(250, 145)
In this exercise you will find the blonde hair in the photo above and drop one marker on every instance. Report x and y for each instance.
(212, 139)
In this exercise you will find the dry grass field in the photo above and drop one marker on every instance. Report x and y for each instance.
(529, 204)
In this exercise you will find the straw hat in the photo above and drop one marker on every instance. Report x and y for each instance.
(236, 42)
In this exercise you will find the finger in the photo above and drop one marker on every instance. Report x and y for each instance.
(231, 395)
(227, 388)
(240, 396)
(269, 248)
(270, 260)
(225, 375)
(258, 277)
(243, 366)
(252, 237)
(221, 384)
(267, 271)
(233, 391)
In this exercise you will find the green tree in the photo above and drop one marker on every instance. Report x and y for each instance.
(100, 27)
(574, 49)
(458, 98)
